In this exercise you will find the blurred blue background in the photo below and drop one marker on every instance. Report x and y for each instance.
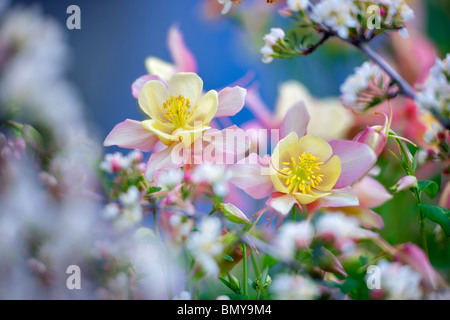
(116, 37)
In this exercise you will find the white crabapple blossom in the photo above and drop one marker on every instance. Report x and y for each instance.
(398, 11)
(205, 245)
(294, 287)
(337, 15)
(434, 94)
(400, 282)
(297, 5)
(366, 83)
(270, 41)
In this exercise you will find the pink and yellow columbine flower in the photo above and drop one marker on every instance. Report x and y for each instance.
(305, 170)
(179, 112)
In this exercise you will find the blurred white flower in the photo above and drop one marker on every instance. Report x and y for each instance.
(294, 287)
(400, 282)
(297, 5)
(213, 174)
(170, 178)
(293, 236)
(205, 244)
(343, 229)
(184, 295)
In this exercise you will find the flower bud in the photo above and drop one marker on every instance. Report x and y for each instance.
(375, 137)
(405, 183)
(233, 213)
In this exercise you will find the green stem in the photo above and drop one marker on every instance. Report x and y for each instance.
(423, 234)
(408, 167)
(294, 217)
(244, 261)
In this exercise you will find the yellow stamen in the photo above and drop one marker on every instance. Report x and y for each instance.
(177, 111)
(302, 175)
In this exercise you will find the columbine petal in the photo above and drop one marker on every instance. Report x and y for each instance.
(161, 160)
(152, 97)
(187, 137)
(137, 85)
(281, 202)
(224, 146)
(159, 67)
(344, 197)
(284, 151)
(181, 55)
(252, 176)
(310, 197)
(296, 120)
(331, 172)
(187, 84)
(131, 134)
(161, 129)
(356, 159)
(370, 192)
(206, 109)
(317, 146)
(366, 217)
(231, 101)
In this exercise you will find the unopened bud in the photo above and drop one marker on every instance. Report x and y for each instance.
(405, 183)
(233, 213)
(375, 137)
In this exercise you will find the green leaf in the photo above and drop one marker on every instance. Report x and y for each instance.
(153, 190)
(228, 257)
(269, 261)
(430, 187)
(437, 214)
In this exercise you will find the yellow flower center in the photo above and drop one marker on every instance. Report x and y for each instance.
(177, 111)
(302, 174)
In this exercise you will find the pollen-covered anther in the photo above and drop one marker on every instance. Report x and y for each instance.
(177, 111)
(302, 174)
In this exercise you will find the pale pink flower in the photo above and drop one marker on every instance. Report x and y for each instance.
(305, 169)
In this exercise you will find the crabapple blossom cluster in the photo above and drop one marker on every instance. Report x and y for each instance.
(273, 44)
(434, 95)
(368, 86)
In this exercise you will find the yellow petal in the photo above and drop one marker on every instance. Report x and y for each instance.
(152, 96)
(206, 108)
(317, 146)
(160, 68)
(187, 84)
(285, 149)
(309, 198)
(331, 172)
(278, 181)
(162, 130)
(187, 137)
